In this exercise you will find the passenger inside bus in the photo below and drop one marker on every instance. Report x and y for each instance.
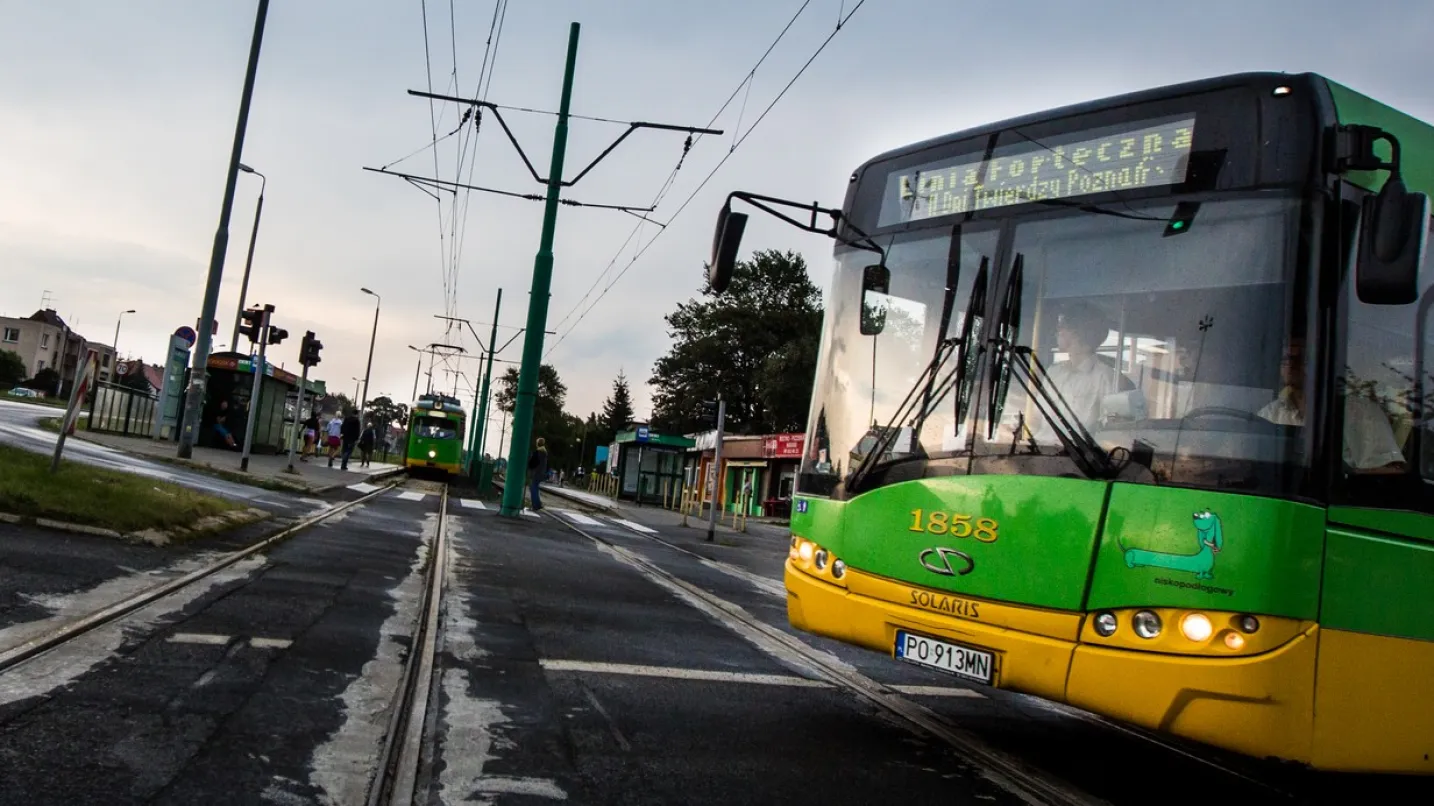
(1369, 442)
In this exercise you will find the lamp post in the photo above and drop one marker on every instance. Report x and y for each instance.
(378, 301)
(116, 343)
(417, 371)
(356, 387)
(249, 261)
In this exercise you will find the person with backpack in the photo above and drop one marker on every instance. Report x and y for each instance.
(538, 467)
(366, 442)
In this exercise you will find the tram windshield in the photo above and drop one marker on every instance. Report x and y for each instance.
(435, 428)
(1149, 337)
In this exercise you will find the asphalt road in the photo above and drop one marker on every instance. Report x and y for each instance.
(615, 670)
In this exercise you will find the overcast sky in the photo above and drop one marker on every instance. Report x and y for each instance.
(116, 122)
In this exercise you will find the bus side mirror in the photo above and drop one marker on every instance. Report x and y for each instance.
(726, 241)
(1392, 243)
(875, 282)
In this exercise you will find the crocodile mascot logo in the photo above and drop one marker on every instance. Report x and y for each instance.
(1209, 540)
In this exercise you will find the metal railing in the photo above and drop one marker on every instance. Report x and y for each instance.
(120, 410)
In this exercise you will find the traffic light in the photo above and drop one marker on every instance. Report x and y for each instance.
(309, 350)
(277, 334)
(253, 323)
(709, 413)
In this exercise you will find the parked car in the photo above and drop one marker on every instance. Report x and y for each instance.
(21, 391)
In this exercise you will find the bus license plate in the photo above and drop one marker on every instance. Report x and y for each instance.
(972, 664)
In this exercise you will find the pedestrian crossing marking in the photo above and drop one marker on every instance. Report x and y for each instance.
(270, 643)
(939, 691)
(471, 503)
(410, 495)
(530, 513)
(362, 487)
(578, 517)
(677, 673)
(636, 527)
(198, 638)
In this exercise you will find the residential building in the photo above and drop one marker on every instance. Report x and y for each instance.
(45, 341)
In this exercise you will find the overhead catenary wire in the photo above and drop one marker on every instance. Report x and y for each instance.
(736, 144)
(672, 177)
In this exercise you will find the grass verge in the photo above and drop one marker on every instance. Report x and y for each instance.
(97, 497)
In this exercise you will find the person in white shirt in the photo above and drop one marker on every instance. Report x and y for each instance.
(1369, 443)
(1082, 379)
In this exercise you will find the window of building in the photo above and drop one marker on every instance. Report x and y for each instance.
(44, 340)
(12, 335)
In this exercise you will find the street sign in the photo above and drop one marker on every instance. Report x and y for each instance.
(187, 333)
(642, 433)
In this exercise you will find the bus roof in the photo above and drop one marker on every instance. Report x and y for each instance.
(1416, 136)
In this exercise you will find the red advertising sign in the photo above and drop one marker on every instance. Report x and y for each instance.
(783, 446)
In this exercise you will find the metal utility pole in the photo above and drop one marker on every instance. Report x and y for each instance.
(249, 260)
(115, 346)
(538, 296)
(199, 376)
(716, 471)
(418, 370)
(294, 435)
(481, 421)
(254, 393)
(378, 302)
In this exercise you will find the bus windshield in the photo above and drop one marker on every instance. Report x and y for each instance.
(1151, 339)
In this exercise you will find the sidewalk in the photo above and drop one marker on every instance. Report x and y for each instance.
(264, 470)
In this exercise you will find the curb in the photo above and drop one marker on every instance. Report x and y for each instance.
(154, 537)
(372, 478)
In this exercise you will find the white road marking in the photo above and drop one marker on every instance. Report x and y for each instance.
(636, 527)
(410, 495)
(362, 487)
(471, 503)
(938, 691)
(677, 673)
(578, 517)
(315, 502)
(198, 638)
(530, 513)
(270, 643)
(508, 785)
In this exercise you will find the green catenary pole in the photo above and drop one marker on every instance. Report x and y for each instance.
(538, 299)
(482, 424)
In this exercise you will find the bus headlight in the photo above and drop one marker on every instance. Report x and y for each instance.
(1146, 624)
(1196, 627)
(1105, 624)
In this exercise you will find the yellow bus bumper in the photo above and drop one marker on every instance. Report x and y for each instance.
(1261, 705)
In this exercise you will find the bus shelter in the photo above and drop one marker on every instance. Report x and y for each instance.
(231, 385)
(649, 464)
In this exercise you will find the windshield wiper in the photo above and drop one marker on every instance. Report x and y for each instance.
(1078, 442)
(932, 391)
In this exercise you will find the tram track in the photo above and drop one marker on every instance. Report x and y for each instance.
(32, 648)
(406, 737)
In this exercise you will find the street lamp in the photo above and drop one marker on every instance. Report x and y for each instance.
(249, 261)
(356, 391)
(416, 372)
(116, 344)
(378, 301)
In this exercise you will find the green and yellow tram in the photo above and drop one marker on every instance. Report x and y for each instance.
(1124, 405)
(435, 435)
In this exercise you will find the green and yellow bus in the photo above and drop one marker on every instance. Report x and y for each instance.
(435, 435)
(1123, 405)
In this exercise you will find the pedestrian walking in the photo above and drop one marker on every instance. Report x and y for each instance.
(366, 443)
(349, 432)
(538, 467)
(335, 432)
(311, 436)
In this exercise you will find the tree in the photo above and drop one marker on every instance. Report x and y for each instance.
(549, 420)
(12, 368)
(385, 412)
(335, 404)
(756, 344)
(44, 381)
(617, 409)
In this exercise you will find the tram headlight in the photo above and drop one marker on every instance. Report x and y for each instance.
(433, 454)
(838, 569)
(1196, 627)
(805, 552)
(1234, 641)
(1247, 623)
(1146, 624)
(820, 561)
(1105, 624)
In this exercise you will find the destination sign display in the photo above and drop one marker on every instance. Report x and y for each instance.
(1152, 155)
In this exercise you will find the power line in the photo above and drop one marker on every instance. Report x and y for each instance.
(433, 128)
(737, 143)
(672, 177)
